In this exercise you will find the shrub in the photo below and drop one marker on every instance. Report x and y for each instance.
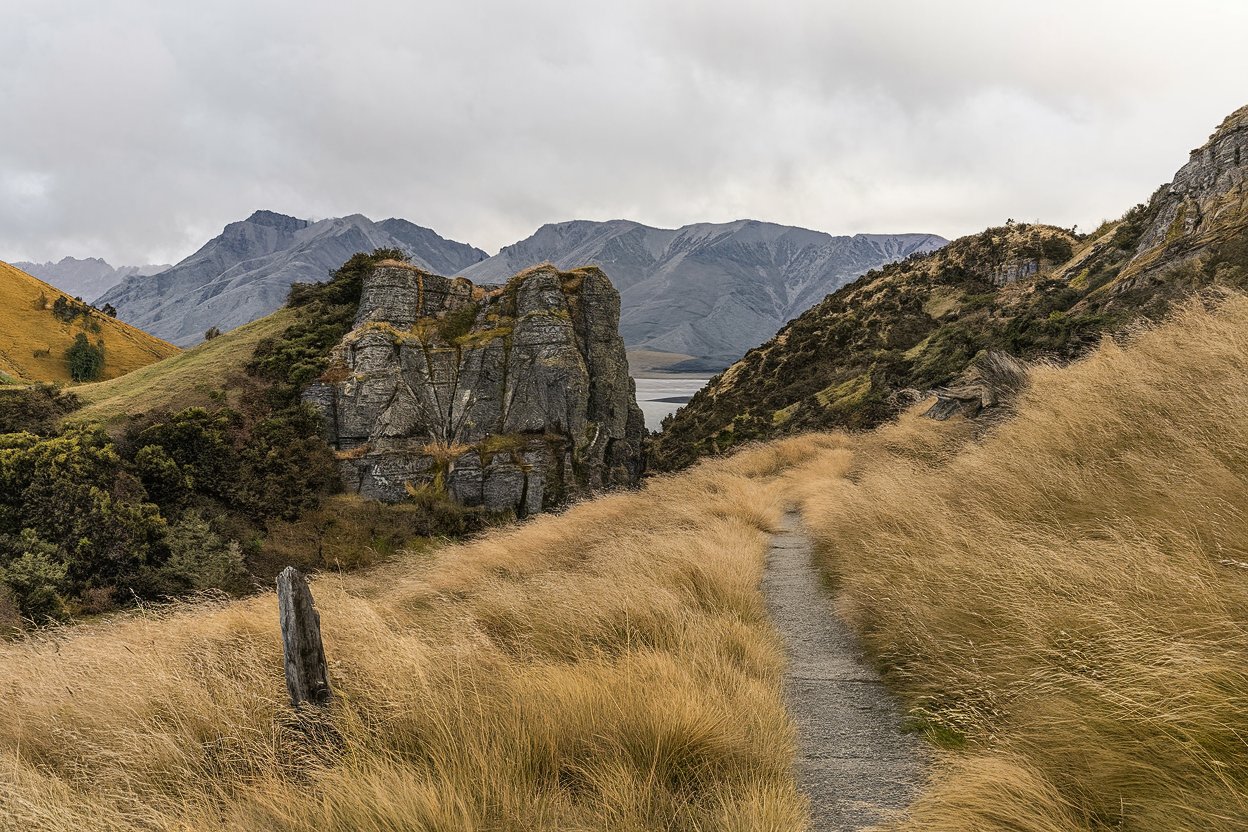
(32, 571)
(36, 409)
(86, 361)
(201, 558)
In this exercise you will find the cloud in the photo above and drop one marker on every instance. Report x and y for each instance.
(135, 129)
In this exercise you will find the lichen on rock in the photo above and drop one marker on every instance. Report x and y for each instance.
(515, 397)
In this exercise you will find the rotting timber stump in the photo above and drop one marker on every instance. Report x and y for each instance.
(307, 675)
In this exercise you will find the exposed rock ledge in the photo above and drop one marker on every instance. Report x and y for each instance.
(513, 397)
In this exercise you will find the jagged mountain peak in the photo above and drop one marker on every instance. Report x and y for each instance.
(273, 219)
(87, 277)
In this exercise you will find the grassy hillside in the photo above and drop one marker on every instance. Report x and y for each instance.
(869, 350)
(851, 361)
(609, 668)
(1065, 605)
(35, 340)
(213, 372)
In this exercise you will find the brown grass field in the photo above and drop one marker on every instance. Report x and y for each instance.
(34, 342)
(608, 668)
(1064, 605)
(1061, 603)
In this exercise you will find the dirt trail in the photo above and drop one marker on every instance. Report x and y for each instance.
(853, 761)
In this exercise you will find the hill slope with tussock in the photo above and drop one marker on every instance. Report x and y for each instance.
(609, 668)
(35, 341)
(867, 351)
(1065, 604)
(213, 372)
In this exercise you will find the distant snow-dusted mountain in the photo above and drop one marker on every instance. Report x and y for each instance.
(246, 271)
(711, 290)
(88, 278)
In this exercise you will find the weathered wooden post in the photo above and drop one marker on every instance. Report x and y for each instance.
(307, 675)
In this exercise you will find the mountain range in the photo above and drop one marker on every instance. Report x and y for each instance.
(702, 293)
(246, 272)
(88, 278)
(710, 290)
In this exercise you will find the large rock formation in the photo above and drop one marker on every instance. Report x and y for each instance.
(513, 397)
(1209, 195)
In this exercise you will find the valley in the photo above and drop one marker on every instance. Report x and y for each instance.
(615, 666)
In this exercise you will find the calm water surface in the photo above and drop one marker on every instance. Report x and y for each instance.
(661, 396)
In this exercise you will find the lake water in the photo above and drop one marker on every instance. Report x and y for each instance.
(661, 396)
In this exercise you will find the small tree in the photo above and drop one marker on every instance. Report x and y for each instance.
(41, 302)
(213, 332)
(86, 361)
(109, 310)
(63, 309)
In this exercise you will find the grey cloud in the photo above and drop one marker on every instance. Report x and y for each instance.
(135, 129)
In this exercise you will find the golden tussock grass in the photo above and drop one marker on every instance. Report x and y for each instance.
(608, 668)
(1064, 604)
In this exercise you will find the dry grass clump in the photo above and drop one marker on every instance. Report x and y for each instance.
(1065, 604)
(609, 668)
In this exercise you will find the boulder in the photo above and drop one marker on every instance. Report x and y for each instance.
(993, 379)
(515, 397)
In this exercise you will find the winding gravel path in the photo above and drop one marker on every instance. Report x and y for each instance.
(854, 763)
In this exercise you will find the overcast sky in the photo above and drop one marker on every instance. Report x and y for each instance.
(135, 129)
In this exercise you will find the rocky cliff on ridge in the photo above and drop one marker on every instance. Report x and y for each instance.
(512, 398)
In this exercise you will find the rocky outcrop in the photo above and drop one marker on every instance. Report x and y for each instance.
(993, 379)
(1208, 194)
(514, 397)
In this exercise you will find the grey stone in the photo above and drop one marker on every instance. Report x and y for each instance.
(994, 378)
(523, 407)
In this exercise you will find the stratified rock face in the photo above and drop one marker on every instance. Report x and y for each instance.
(515, 397)
(1208, 194)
